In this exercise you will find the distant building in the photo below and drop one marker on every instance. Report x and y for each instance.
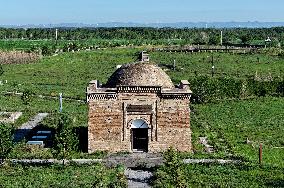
(139, 110)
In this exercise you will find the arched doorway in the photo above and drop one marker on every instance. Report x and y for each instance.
(139, 134)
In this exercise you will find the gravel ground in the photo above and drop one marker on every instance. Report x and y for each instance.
(146, 160)
(138, 178)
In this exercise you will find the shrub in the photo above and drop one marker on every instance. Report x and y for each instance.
(114, 179)
(206, 89)
(171, 174)
(66, 140)
(27, 97)
(6, 145)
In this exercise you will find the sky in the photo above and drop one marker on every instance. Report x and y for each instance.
(140, 11)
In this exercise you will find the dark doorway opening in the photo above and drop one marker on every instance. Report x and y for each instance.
(140, 139)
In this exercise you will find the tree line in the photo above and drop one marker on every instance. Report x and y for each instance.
(185, 35)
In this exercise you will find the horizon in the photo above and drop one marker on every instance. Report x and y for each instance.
(140, 23)
(33, 12)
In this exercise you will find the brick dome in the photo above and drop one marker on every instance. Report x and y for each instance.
(140, 74)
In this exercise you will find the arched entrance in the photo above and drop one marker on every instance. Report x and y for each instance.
(139, 134)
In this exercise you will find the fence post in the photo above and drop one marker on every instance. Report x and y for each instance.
(60, 102)
(260, 154)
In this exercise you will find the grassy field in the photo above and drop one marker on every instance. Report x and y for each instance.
(216, 175)
(31, 45)
(58, 176)
(225, 64)
(78, 110)
(234, 128)
(70, 73)
(234, 176)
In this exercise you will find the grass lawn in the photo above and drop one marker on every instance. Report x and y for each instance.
(229, 124)
(225, 64)
(233, 176)
(59, 176)
(233, 128)
(70, 73)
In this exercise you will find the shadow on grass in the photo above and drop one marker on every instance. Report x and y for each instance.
(275, 183)
(82, 134)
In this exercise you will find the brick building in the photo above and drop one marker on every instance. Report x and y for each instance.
(138, 109)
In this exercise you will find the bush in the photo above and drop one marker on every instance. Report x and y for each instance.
(114, 179)
(27, 97)
(66, 140)
(6, 145)
(171, 174)
(207, 89)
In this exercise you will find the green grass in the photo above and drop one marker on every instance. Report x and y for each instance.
(58, 176)
(77, 110)
(70, 73)
(226, 64)
(229, 124)
(233, 176)
(226, 124)
(18, 44)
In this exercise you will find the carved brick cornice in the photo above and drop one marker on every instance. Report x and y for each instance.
(139, 89)
(101, 96)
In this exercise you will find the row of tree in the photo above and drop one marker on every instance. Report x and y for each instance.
(187, 35)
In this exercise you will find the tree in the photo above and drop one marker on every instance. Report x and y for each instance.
(66, 140)
(244, 38)
(6, 141)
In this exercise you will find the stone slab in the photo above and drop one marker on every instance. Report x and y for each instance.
(13, 116)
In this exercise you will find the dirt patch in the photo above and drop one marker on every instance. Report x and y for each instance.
(17, 57)
(9, 117)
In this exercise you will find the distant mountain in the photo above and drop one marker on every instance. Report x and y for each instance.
(156, 25)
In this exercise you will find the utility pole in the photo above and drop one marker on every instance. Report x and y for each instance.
(56, 35)
(213, 67)
(221, 38)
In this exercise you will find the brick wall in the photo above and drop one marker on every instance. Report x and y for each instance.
(110, 124)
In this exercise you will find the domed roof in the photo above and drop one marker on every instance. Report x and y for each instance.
(140, 74)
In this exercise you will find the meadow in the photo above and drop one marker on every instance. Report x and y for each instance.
(234, 127)
(70, 73)
(58, 176)
(216, 175)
